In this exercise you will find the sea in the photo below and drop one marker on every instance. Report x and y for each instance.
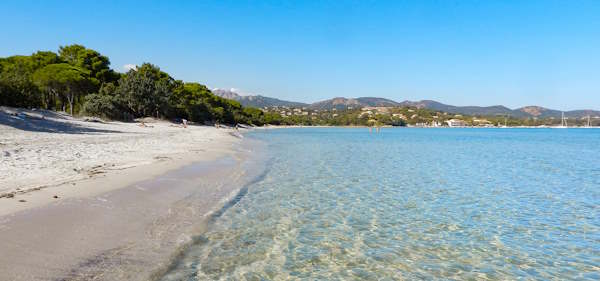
(410, 204)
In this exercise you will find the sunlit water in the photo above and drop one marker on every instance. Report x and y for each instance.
(405, 204)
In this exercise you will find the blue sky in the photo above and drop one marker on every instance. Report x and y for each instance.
(513, 53)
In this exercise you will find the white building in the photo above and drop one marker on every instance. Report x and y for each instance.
(456, 123)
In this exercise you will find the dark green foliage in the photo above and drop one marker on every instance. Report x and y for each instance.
(195, 102)
(16, 84)
(146, 91)
(253, 116)
(19, 91)
(79, 79)
(189, 102)
(43, 58)
(106, 104)
(64, 81)
(17, 87)
(97, 64)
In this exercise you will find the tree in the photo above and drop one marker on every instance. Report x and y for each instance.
(17, 89)
(189, 101)
(97, 64)
(43, 58)
(70, 54)
(16, 85)
(82, 79)
(252, 115)
(146, 91)
(106, 103)
(63, 80)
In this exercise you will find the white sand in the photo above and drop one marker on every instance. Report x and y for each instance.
(44, 150)
(128, 197)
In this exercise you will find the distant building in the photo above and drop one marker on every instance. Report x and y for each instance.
(456, 123)
(482, 122)
(399, 115)
(368, 113)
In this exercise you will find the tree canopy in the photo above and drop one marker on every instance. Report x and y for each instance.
(81, 81)
(64, 81)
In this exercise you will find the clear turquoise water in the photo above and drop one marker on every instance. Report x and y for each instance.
(405, 204)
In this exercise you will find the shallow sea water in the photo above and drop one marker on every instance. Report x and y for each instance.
(406, 204)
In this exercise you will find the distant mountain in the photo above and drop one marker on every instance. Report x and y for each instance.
(228, 94)
(466, 110)
(255, 100)
(523, 112)
(373, 101)
(582, 113)
(541, 112)
(343, 103)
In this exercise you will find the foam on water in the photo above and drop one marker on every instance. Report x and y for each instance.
(343, 204)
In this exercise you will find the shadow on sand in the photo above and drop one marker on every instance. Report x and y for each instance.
(37, 123)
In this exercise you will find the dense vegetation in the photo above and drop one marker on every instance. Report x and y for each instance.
(80, 81)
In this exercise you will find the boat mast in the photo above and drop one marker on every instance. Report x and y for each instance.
(588, 123)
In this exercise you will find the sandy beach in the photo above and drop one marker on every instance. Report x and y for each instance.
(83, 200)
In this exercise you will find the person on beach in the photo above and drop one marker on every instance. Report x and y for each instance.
(184, 123)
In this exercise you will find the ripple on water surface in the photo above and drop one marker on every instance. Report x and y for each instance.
(343, 204)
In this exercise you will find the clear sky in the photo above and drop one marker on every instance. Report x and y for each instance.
(484, 52)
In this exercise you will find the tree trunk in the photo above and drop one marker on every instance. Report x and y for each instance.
(70, 99)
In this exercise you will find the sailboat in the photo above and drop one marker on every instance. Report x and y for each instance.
(588, 122)
(563, 122)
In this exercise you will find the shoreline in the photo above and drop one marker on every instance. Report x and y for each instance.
(424, 127)
(125, 233)
(107, 181)
(110, 200)
(47, 156)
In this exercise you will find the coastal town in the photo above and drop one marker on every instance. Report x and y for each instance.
(413, 117)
